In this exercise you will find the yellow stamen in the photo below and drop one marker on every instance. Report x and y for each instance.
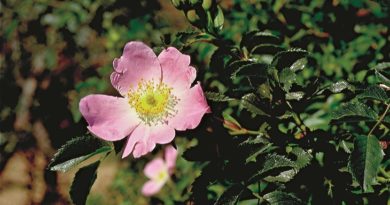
(153, 102)
(161, 176)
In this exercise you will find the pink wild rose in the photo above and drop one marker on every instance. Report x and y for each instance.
(159, 171)
(157, 99)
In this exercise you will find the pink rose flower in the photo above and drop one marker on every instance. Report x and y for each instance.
(159, 171)
(157, 99)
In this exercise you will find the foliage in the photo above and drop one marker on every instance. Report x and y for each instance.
(76, 151)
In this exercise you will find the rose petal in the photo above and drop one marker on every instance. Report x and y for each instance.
(109, 118)
(170, 156)
(143, 147)
(134, 137)
(137, 62)
(154, 167)
(139, 142)
(175, 67)
(191, 108)
(162, 134)
(151, 187)
(144, 138)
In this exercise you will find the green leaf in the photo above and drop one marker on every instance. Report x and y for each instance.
(382, 72)
(272, 162)
(260, 150)
(82, 183)
(217, 97)
(193, 17)
(264, 91)
(374, 92)
(255, 38)
(177, 3)
(188, 37)
(256, 146)
(383, 78)
(219, 19)
(281, 198)
(206, 4)
(232, 195)
(365, 160)
(76, 151)
(266, 49)
(353, 109)
(210, 172)
(233, 66)
(303, 157)
(250, 102)
(287, 77)
(210, 22)
(251, 70)
(340, 86)
(287, 58)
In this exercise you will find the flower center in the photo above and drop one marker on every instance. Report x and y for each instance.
(153, 102)
(162, 176)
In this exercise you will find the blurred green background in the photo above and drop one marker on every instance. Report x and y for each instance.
(55, 52)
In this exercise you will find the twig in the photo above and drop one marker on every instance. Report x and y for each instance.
(380, 120)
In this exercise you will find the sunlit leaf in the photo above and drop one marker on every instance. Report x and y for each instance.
(76, 151)
(303, 157)
(219, 19)
(354, 108)
(281, 198)
(254, 141)
(250, 102)
(272, 162)
(287, 77)
(374, 92)
(295, 95)
(382, 72)
(340, 86)
(284, 176)
(299, 65)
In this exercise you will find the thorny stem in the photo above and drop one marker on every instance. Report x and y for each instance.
(261, 199)
(171, 184)
(380, 120)
(258, 189)
(298, 120)
(244, 131)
